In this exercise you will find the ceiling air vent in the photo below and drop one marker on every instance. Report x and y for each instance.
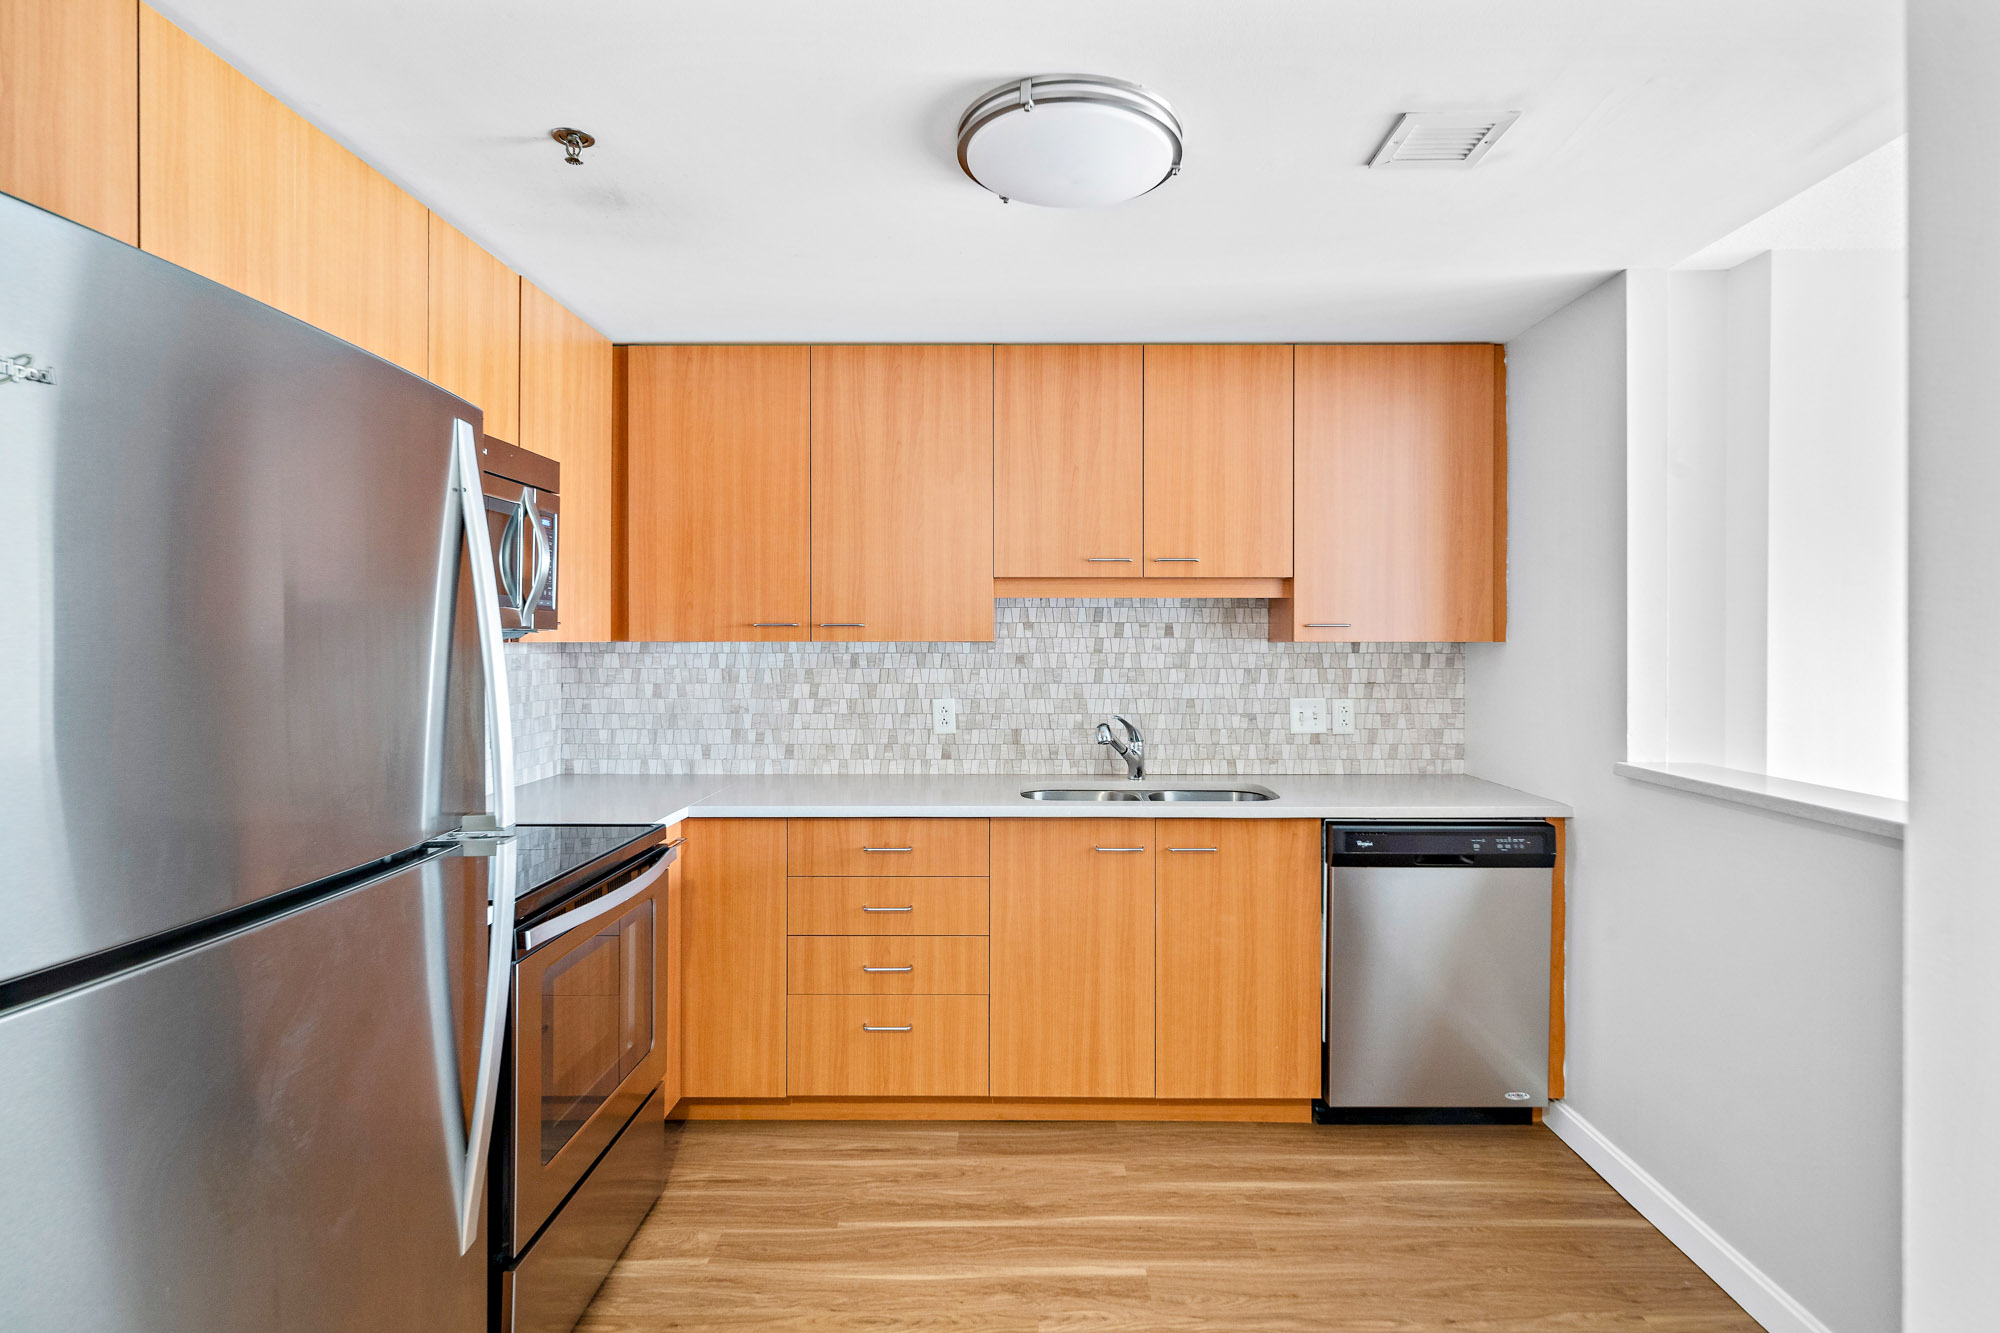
(1442, 138)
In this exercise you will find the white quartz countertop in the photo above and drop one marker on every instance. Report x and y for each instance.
(592, 798)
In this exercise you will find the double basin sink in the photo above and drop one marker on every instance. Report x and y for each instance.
(1245, 793)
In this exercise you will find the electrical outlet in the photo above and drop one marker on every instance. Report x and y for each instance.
(1340, 720)
(1309, 715)
(944, 717)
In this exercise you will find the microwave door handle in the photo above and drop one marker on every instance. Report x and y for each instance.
(509, 556)
(543, 564)
(499, 801)
(597, 908)
(470, 1174)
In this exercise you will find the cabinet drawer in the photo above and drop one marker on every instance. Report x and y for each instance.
(887, 1046)
(872, 905)
(886, 965)
(886, 847)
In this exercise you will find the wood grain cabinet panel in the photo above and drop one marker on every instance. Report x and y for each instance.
(566, 414)
(1069, 469)
(733, 958)
(886, 965)
(69, 110)
(1072, 957)
(887, 847)
(718, 460)
(475, 328)
(1218, 461)
(1239, 953)
(1402, 495)
(886, 905)
(887, 1046)
(902, 493)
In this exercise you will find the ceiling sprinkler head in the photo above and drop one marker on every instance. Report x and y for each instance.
(573, 142)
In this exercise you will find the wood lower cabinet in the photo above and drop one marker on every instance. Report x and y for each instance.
(566, 408)
(1238, 958)
(1069, 466)
(887, 847)
(1401, 496)
(886, 965)
(718, 444)
(1072, 957)
(1219, 461)
(733, 958)
(887, 1046)
(69, 110)
(902, 493)
(885, 905)
(475, 329)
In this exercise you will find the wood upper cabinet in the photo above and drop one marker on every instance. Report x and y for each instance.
(475, 329)
(236, 187)
(718, 444)
(1238, 958)
(1072, 957)
(69, 110)
(1218, 461)
(732, 951)
(1068, 461)
(902, 493)
(565, 414)
(1402, 495)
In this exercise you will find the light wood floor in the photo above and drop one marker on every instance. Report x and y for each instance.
(886, 1226)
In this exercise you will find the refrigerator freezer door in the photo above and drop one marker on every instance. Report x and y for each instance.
(269, 1132)
(227, 662)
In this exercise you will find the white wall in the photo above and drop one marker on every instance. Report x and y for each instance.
(1734, 976)
(1952, 1223)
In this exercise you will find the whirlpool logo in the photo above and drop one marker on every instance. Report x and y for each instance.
(23, 370)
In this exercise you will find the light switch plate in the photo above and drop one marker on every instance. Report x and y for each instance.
(944, 717)
(1309, 716)
(1340, 718)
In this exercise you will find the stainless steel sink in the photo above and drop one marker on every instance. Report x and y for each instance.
(1249, 793)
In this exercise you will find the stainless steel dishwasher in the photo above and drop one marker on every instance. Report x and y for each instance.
(1437, 964)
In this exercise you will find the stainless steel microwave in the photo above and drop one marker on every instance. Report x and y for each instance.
(524, 526)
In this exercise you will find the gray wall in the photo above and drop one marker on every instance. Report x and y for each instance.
(1198, 676)
(1734, 976)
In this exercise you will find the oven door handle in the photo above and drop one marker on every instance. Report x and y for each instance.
(536, 936)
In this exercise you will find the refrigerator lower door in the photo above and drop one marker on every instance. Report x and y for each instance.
(268, 1132)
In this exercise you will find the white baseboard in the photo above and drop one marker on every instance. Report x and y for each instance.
(1748, 1285)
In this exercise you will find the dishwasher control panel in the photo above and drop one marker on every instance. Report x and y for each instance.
(1526, 844)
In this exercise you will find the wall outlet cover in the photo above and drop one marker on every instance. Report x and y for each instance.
(944, 717)
(1340, 720)
(1309, 716)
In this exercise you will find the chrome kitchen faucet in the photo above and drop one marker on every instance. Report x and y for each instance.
(1132, 749)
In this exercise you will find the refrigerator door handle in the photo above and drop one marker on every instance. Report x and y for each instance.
(486, 597)
(471, 1174)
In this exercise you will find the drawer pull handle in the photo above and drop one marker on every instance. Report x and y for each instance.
(888, 849)
(911, 967)
(1190, 849)
(1176, 559)
(911, 908)
(843, 624)
(1107, 559)
(774, 624)
(1119, 849)
(1329, 624)
(870, 1027)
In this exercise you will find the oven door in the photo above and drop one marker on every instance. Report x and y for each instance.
(587, 1044)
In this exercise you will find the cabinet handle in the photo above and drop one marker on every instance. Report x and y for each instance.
(1176, 559)
(774, 624)
(870, 1027)
(1107, 559)
(1118, 849)
(909, 967)
(888, 849)
(1329, 624)
(1190, 849)
(843, 624)
(889, 909)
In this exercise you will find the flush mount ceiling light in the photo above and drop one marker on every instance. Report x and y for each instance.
(1069, 140)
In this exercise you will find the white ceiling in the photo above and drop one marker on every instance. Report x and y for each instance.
(783, 169)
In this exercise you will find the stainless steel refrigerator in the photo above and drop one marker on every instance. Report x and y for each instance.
(251, 1009)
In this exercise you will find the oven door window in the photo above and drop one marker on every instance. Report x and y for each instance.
(597, 1023)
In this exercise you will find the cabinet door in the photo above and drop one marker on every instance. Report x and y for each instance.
(1239, 953)
(69, 110)
(1219, 462)
(1402, 495)
(718, 459)
(1072, 957)
(1069, 473)
(566, 411)
(902, 493)
(733, 958)
(475, 329)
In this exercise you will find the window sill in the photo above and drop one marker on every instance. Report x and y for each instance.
(1876, 815)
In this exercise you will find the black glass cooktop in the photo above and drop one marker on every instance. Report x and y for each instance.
(545, 853)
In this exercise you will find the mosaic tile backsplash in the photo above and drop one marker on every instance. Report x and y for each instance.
(1198, 676)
